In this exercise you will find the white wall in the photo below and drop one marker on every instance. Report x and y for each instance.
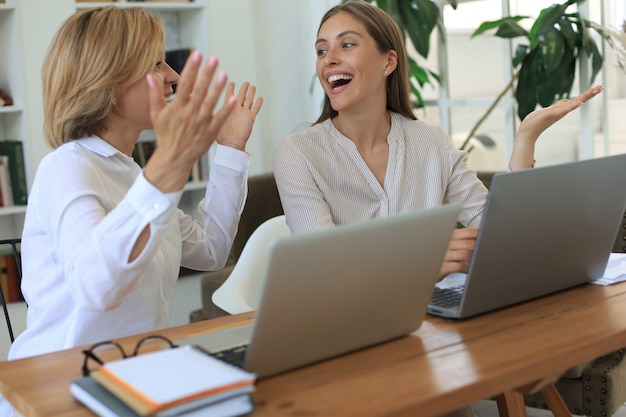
(286, 58)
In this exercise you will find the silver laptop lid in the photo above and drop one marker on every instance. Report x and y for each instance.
(347, 288)
(544, 230)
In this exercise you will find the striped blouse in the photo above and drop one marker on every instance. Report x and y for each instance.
(323, 180)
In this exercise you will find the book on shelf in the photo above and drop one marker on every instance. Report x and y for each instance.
(173, 381)
(15, 292)
(4, 279)
(5, 183)
(14, 150)
(105, 404)
(10, 281)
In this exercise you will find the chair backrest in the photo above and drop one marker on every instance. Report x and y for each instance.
(4, 297)
(242, 289)
(262, 204)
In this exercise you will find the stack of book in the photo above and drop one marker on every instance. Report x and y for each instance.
(13, 189)
(182, 381)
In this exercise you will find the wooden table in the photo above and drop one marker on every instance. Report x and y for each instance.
(444, 365)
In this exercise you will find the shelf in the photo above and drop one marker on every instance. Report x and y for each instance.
(5, 211)
(10, 109)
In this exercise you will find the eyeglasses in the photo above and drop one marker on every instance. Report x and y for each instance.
(91, 353)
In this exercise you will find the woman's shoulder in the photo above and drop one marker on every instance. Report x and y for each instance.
(416, 125)
(306, 136)
(308, 132)
(75, 154)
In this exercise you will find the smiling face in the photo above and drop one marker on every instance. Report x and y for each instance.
(133, 105)
(350, 66)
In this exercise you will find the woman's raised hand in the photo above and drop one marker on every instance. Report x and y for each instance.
(188, 126)
(536, 122)
(237, 128)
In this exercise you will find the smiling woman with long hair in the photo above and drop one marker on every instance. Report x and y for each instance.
(367, 156)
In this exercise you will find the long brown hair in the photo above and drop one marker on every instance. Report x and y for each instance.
(388, 36)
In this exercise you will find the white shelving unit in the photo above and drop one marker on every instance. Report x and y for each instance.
(13, 123)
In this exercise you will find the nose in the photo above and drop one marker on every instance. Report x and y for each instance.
(172, 76)
(331, 57)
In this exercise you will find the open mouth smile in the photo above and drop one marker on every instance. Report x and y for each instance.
(339, 80)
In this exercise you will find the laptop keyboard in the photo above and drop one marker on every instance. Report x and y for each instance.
(234, 355)
(447, 297)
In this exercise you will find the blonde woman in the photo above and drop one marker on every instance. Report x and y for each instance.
(103, 240)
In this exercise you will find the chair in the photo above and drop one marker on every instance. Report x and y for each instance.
(262, 204)
(3, 297)
(242, 289)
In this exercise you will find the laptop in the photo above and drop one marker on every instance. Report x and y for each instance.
(543, 230)
(339, 290)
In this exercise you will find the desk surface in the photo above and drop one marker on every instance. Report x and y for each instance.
(444, 365)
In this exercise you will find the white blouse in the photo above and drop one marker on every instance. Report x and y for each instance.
(323, 180)
(88, 204)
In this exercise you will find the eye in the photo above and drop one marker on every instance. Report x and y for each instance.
(347, 45)
(158, 66)
(321, 52)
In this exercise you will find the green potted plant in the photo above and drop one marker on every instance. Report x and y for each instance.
(545, 64)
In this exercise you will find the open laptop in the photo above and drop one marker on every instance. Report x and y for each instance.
(341, 289)
(543, 230)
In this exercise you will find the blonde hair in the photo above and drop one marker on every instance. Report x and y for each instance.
(95, 55)
(388, 36)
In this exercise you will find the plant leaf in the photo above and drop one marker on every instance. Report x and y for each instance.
(526, 84)
(571, 37)
(510, 29)
(566, 75)
(435, 76)
(520, 53)
(548, 17)
(419, 100)
(492, 24)
(552, 49)
(391, 8)
(418, 73)
(419, 18)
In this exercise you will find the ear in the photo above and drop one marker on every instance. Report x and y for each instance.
(392, 62)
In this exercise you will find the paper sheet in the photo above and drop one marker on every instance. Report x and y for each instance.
(615, 270)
